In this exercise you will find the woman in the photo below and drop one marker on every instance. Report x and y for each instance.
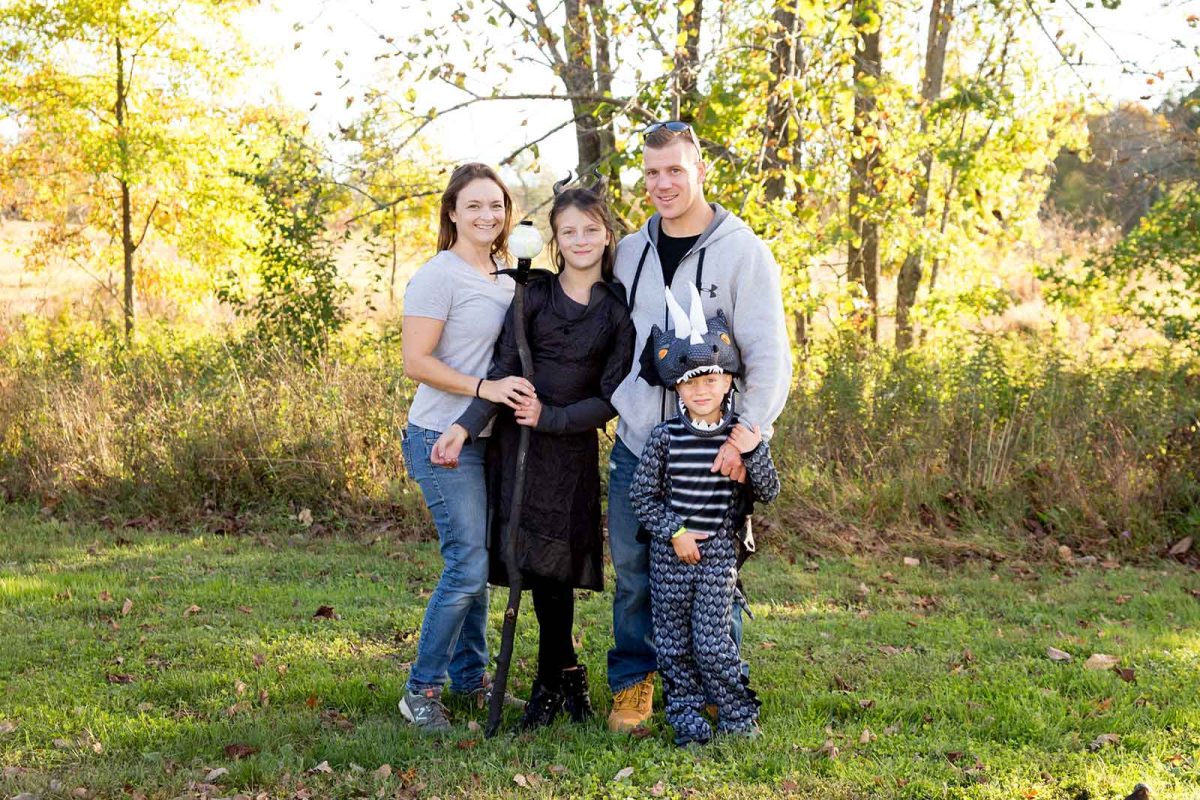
(453, 309)
(581, 341)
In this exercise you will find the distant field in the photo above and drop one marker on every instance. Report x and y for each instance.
(92, 290)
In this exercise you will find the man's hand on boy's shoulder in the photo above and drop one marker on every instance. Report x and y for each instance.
(745, 439)
(729, 462)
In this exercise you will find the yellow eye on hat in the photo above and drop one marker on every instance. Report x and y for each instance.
(662, 353)
(725, 338)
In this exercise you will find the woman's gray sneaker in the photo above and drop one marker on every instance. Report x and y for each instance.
(425, 710)
(482, 696)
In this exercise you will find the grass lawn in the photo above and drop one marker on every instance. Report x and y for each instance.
(140, 664)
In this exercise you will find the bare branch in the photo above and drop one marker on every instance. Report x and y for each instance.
(146, 227)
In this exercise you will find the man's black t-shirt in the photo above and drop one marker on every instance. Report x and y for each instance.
(671, 251)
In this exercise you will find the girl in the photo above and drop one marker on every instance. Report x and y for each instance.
(453, 308)
(581, 340)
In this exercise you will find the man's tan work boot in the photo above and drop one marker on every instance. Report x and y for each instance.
(632, 706)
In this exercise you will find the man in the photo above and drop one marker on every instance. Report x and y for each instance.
(689, 241)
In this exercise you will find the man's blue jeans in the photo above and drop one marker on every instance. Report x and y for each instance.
(632, 655)
(453, 639)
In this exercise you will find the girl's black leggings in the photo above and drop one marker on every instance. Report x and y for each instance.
(554, 605)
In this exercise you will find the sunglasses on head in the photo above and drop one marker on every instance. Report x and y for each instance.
(673, 125)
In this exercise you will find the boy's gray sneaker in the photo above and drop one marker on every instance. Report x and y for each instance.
(482, 696)
(425, 710)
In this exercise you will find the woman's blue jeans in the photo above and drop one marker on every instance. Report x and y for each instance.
(453, 640)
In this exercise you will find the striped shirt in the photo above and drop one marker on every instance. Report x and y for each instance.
(699, 495)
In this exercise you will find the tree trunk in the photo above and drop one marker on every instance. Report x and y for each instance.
(941, 15)
(587, 72)
(687, 63)
(127, 245)
(863, 250)
(778, 134)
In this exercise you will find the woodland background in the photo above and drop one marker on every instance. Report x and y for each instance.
(991, 270)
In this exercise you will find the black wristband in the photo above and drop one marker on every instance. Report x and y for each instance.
(478, 386)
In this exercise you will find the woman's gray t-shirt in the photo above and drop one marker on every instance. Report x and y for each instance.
(472, 307)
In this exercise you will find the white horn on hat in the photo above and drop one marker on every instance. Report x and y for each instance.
(680, 320)
(699, 324)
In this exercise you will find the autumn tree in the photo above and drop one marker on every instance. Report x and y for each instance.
(125, 101)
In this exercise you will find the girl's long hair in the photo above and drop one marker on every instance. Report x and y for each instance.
(462, 175)
(592, 203)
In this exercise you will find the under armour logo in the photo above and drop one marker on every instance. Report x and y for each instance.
(710, 290)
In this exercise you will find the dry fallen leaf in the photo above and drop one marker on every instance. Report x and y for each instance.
(264, 699)
(192, 609)
(1065, 555)
(828, 750)
(323, 767)
(1101, 661)
(7, 726)
(520, 780)
(245, 609)
(909, 561)
(1058, 655)
(383, 773)
(326, 612)
(658, 790)
(127, 607)
(119, 678)
(305, 517)
(866, 703)
(259, 660)
(867, 737)
(1126, 674)
(215, 775)
(239, 750)
(624, 774)
(1104, 739)
(311, 701)
(239, 688)
(557, 769)
(1181, 547)
(473, 726)
(105, 597)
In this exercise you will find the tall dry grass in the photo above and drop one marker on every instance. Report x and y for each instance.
(1000, 438)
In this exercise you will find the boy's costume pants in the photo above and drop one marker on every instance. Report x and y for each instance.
(697, 657)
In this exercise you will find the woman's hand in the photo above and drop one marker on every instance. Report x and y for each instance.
(529, 413)
(510, 391)
(448, 447)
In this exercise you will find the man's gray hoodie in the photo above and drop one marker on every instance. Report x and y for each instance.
(739, 277)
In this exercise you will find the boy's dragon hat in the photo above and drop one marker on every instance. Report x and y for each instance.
(693, 346)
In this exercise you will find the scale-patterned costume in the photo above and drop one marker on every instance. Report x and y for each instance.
(674, 488)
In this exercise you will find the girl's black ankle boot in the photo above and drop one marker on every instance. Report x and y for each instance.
(575, 693)
(544, 705)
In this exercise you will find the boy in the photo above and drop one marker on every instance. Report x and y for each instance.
(693, 516)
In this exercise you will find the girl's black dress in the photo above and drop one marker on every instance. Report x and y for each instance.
(580, 355)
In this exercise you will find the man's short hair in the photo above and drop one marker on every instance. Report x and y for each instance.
(663, 137)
